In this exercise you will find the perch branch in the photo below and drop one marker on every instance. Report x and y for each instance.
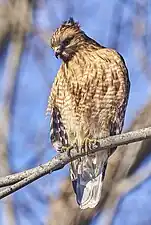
(19, 180)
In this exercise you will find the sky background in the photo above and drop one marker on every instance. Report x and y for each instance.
(29, 143)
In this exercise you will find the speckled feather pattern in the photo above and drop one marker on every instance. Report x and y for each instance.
(91, 93)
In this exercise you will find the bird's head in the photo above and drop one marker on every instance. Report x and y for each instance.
(65, 39)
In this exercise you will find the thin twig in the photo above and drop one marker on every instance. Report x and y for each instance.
(59, 161)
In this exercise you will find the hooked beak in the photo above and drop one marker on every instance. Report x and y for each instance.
(57, 51)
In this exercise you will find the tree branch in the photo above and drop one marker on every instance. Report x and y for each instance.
(19, 180)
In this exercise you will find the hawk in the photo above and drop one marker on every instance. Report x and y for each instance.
(88, 100)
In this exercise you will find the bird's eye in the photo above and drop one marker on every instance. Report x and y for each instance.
(67, 41)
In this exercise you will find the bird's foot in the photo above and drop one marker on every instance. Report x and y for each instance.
(68, 149)
(89, 144)
(64, 149)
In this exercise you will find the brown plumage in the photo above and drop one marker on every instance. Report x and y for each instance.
(88, 99)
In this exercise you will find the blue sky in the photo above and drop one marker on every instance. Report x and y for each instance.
(29, 139)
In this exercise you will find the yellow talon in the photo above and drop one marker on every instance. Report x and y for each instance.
(65, 148)
(68, 149)
(88, 145)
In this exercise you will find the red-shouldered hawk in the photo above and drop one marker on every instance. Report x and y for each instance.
(88, 99)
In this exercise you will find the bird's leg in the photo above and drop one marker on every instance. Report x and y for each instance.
(88, 145)
(68, 149)
(74, 146)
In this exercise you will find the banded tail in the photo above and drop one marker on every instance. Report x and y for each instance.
(87, 174)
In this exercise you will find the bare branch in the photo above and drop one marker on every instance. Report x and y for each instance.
(22, 179)
(14, 178)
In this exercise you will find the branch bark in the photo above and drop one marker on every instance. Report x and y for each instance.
(19, 180)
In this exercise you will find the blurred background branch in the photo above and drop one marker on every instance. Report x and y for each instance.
(122, 188)
(14, 28)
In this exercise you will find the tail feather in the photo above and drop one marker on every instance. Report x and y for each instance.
(87, 176)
